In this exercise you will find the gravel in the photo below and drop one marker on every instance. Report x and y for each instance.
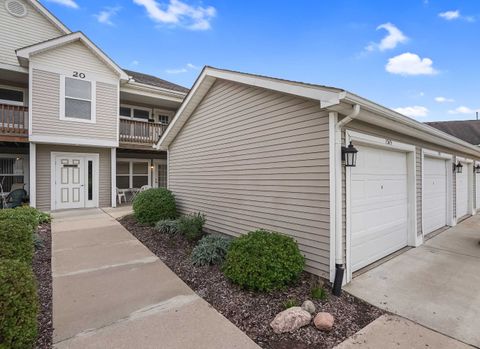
(42, 268)
(250, 311)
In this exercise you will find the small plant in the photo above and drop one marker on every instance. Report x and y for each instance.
(191, 225)
(289, 303)
(16, 240)
(211, 249)
(27, 214)
(153, 205)
(319, 293)
(263, 261)
(18, 305)
(167, 226)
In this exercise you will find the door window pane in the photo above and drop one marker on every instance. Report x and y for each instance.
(90, 180)
(75, 108)
(162, 176)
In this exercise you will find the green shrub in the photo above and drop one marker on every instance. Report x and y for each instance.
(263, 261)
(289, 303)
(18, 305)
(16, 240)
(319, 293)
(167, 226)
(153, 205)
(191, 225)
(211, 249)
(27, 214)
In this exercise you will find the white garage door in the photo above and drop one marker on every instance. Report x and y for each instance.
(477, 179)
(462, 192)
(378, 205)
(434, 194)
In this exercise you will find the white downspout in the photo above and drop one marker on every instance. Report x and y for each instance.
(339, 268)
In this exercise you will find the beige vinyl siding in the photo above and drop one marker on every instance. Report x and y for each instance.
(75, 56)
(420, 144)
(43, 172)
(251, 158)
(46, 110)
(24, 31)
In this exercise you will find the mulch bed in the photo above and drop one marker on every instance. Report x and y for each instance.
(252, 312)
(42, 268)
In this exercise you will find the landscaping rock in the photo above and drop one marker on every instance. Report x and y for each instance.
(290, 320)
(324, 321)
(309, 306)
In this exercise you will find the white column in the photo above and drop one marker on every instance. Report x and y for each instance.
(33, 174)
(113, 160)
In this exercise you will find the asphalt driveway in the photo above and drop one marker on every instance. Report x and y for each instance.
(436, 285)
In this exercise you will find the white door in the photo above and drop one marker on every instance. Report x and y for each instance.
(434, 194)
(378, 205)
(160, 174)
(69, 182)
(462, 192)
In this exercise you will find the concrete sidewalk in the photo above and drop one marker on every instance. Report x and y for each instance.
(110, 291)
(436, 285)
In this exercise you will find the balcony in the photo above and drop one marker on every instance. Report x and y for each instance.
(13, 123)
(137, 133)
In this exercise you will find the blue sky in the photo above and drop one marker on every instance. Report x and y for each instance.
(417, 55)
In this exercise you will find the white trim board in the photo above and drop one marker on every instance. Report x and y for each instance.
(332, 121)
(383, 143)
(67, 140)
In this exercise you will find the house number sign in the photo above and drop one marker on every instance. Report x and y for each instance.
(80, 75)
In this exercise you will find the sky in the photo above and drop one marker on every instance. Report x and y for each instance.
(419, 57)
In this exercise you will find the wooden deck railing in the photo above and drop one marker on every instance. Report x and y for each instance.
(134, 131)
(13, 120)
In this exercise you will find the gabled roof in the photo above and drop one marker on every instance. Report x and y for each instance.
(24, 53)
(154, 81)
(49, 16)
(468, 130)
(330, 98)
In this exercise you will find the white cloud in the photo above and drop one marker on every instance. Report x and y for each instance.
(105, 16)
(67, 3)
(178, 13)
(393, 38)
(185, 69)
(415, 111)
(444, 99)
(453, 15)
(135, 63)
(410, 64)
(463, 110)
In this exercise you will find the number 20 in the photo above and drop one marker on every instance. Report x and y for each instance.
(76, 74)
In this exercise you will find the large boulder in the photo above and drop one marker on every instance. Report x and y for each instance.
(290, 320)
(324, 321)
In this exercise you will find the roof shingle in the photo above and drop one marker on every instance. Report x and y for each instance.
(467, 130)
(154, 81)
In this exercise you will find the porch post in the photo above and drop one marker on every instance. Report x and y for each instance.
(33, 174)
(113, 159)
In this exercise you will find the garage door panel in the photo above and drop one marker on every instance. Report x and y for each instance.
(378, 205)
(434, 194)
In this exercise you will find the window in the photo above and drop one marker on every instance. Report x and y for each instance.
(78, 99)
(90, 180)
(11, 95)
(11, 173)
(132, 173)
(162, 175)
(163, 119)
(135, 112)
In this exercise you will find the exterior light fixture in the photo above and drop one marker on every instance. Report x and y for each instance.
(476, 169)
(349, 155)
(458, 167)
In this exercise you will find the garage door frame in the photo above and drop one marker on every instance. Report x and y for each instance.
(468, 167)
(393, 145)
(476, 178)
(448, 163)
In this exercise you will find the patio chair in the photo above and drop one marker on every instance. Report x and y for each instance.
(16, 186)
(15, 198)
(145, 187)
(121, 193)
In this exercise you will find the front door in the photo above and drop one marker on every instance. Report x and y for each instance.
(69, 182)
(160, 173)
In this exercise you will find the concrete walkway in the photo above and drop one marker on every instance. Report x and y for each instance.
(436, 285)
(109, 291)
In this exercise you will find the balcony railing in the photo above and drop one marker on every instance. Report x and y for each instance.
(142, 132)
(13, 120)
